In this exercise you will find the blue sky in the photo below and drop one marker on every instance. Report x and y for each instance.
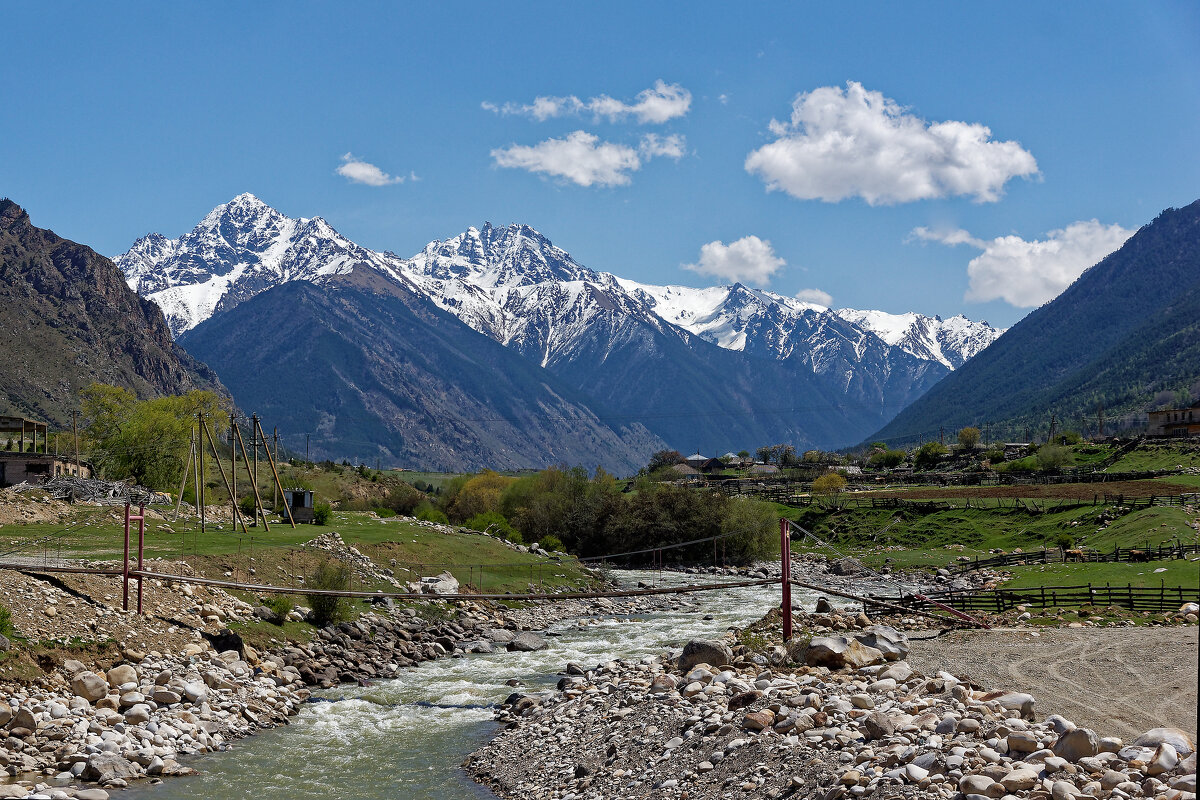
(876, 185)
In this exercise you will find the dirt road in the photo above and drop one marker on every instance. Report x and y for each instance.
(1117, 681)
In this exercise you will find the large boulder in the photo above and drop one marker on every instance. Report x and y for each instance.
(440, 584)
(527, 642)
(836, 652)
(1077, 744)
(846, 566)
(704, 651)
(1173, 736)
(889, 641)
(89, 686)
(105, 767)
(122, 674)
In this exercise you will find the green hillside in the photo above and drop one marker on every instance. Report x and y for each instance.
(1126, 335)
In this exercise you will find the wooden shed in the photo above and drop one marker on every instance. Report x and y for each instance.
(301, 503)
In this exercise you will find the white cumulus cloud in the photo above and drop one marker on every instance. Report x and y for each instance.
(584, 159)
(858, 143)
(656, 105)
(749, 260)
(815, 296)
(358, 171)
(1030, 273)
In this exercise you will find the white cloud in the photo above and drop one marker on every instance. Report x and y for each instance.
(815, 296)
(358, 171)
(580, 158)
(584, 159)
(670, 146)
(858, 143)
(656, 105)
(1030, 273)
(749, 259)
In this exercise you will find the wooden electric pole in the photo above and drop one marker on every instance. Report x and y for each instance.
(257, 441)
(75, 427)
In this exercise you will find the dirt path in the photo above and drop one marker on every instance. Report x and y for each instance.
(1119, 682)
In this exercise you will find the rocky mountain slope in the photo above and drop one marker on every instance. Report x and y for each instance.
(69, 320)
(372, 369)
(714, 368)
(1126, 335)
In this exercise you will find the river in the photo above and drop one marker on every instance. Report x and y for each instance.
(406, 737)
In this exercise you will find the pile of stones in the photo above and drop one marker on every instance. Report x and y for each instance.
(138, 718)
(711, 725)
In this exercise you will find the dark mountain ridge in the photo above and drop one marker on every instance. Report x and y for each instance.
(69, 320)
(377, 371)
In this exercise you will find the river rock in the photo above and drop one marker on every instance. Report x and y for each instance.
(105, 767)
(440, 584)
(840, 651)
(1173, 736)
(704, 651)
(1077, 744)
(527, 642)
(878, 725)
(121, 674)
(890, 642)
(89, 686)
(1165, 759)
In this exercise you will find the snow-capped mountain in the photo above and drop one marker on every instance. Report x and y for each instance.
(238, 250)
(741, 318)
(638, 350)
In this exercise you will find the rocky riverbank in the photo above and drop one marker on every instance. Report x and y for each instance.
(719, 722)
(137, 719)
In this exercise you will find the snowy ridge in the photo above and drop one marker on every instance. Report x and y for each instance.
(239, 249)
(514, 285)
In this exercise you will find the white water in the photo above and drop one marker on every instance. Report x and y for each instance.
(405, 738)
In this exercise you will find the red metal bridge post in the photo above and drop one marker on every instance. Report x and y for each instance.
(785, 570)
(141, 548)
(125, 564)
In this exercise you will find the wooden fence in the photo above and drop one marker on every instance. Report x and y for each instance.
(1161, 552)
(1164, 599)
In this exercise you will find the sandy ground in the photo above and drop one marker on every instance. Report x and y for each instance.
(1119, 682)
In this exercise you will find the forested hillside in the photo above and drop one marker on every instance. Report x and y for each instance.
(1126, 335)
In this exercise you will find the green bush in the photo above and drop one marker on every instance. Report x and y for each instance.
(281, 605)
(246, 504)
(6, 622)
(321, 513)
(1064, 540)
(426, 512)
(929, 454)
(552, 543)
(327, 609)
(383, 513)
(1053, 456)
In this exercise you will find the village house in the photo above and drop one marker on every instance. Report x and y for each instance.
(1175, 422)
(1014, 450)
(29, 460)
(703, 464)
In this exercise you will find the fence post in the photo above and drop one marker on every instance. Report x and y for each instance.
(785, 559)
(141, 551)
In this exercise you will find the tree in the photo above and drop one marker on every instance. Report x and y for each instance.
(829, 486)
(765, 454)
(746, 453)
(887, 459)
(147, 440)
(968, 438)
(664, 458)
(928, 455)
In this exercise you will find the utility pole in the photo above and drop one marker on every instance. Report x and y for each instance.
(75, 428)
(1053, 420)
(232, 459)
(306, 458)
(941, 435)
(200, 475)
(275, 457)
(257, 442)
(1100, 415)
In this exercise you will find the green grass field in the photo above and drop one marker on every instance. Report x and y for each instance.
(1158, 456)
(409, 549)
(1177, 573)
